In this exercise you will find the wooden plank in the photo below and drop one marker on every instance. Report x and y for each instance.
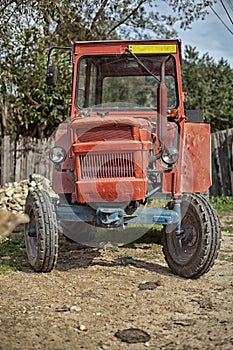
(229, 133)
(216, 167)
(225, 164)
(215, 181)
(18, 161)
(222, 164)
(7, 159)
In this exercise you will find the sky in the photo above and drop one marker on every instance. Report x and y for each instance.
(210, 36)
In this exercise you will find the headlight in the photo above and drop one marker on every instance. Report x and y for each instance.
(57, 154)
(170, 156)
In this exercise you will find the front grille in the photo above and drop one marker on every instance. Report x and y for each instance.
(104, 133)
(109, 165)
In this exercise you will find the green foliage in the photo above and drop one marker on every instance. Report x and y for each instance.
(209, 86)
(223, 204)
(29, 28)
(12, 255)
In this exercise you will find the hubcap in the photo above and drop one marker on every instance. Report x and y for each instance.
(32, 231)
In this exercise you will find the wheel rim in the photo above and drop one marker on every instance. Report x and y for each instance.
(31, 238)
(184, 247)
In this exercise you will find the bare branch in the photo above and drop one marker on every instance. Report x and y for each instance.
(98, 14)
(127, 17)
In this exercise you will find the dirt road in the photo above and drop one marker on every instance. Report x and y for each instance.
(94, 293)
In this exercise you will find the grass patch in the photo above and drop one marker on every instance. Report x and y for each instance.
(228, 227)
(223, 204)
(12, 253)
(6, 268)
(125, 255)
(226, 256)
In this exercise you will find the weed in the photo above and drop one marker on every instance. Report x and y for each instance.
(228, 226)
(125, 256)
(223, 204)
(6, 268)
(113, 249)
(12, 253)
(226, 256)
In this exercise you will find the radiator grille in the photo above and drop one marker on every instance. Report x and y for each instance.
(109, 165)
(105, 133)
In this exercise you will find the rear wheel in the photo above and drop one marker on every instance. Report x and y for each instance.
(41, 233)
(193, 253)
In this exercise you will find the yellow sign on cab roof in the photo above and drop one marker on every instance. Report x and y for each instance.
(153, 48)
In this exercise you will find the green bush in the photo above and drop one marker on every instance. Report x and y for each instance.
(223, 204)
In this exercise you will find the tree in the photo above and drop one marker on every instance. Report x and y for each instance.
(209, 87)
(30, 27)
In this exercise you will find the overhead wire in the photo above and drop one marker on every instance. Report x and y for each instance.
(216, 14)
(228, 15)
(230, 4)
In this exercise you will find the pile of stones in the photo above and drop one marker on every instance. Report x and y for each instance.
(13, 195)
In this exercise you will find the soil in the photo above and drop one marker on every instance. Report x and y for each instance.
(93, 295)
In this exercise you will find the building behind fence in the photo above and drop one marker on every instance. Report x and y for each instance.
(29, 155)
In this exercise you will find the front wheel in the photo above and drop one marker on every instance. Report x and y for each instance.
(193, 253)
(41, 233)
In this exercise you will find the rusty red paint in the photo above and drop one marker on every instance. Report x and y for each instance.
(107, 157)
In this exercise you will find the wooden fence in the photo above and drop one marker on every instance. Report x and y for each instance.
(24, 157)
(27, 155)
(222, 163)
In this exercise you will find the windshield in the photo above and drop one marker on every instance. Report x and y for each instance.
(121, 79)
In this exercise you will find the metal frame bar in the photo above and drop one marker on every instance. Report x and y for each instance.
(140, 216)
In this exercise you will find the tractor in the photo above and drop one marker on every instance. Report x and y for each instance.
(128, 143)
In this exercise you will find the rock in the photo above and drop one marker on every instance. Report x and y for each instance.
(133, 335)
(63, 308)
(17, 195)
(32, 184)
(103, 346)
(149, 285)
(21, 202)
(75, 308)
(82, 327)
(17, 208)
(9, 192)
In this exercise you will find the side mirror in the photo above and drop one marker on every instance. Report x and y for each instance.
(51, 76)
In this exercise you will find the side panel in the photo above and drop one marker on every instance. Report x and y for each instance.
(195, 165)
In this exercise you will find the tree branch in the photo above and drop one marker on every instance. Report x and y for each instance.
(98, 13)
(33, 102)
(127, 17)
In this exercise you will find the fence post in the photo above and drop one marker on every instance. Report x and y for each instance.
(222, 163)
(7, 159)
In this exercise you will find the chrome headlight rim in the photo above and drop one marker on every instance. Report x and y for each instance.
(170, 156)
(57, 154)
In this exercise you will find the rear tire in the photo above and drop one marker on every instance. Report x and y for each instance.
(193, 253)
(41, 233)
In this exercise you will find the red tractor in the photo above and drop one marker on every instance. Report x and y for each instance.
(128, 142)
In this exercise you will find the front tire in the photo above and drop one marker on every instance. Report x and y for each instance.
(41, 233)
(193, 253)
